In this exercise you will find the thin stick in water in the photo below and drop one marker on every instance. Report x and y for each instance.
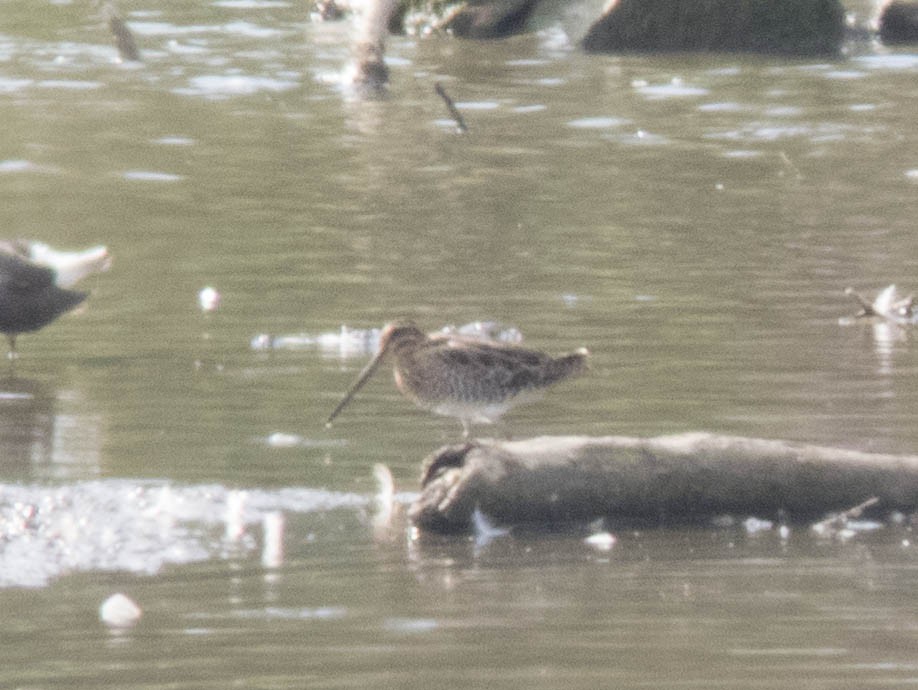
(451, 106)
(124, 38)
(837, 521)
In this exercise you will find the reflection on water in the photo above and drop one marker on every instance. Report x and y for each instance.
(348, 342)
(46, 434)
(885, 335)
(26, 427)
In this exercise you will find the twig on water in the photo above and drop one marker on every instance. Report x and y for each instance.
(887, 305)
(451, 106)
(837, 521)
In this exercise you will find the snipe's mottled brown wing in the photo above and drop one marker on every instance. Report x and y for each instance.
(480, 371)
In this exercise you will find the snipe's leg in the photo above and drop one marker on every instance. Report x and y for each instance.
(11, 357)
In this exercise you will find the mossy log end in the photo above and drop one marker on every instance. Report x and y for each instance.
(664, 480)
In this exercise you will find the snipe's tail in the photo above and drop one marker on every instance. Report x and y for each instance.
(566, 366)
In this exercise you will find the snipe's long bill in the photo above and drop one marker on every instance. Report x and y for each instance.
(456, 376)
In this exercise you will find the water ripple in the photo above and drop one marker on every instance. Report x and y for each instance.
(48, 531)
(151, 176)
(226, 85)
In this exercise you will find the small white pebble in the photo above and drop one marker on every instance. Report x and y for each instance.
(119, 611)
(845, 534)
(281, 440)
(208, 299)
(601, 541)
(261, 342)
(753, 525)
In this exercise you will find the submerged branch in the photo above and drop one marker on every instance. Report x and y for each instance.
(451, 106)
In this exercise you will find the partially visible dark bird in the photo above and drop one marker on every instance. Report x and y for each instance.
(33, 284)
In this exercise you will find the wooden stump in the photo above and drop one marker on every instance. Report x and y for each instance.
(782, 27)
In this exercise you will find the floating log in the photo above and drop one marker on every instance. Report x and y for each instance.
(684, 478)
